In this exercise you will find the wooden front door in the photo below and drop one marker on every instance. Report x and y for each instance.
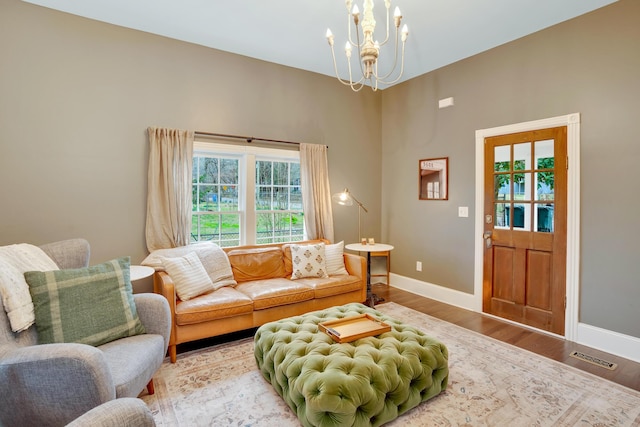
(525, 227)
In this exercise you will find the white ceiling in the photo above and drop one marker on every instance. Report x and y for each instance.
(292, 32)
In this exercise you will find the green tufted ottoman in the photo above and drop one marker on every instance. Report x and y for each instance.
(367, 382)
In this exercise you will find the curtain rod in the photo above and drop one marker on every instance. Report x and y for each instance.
(248, 139)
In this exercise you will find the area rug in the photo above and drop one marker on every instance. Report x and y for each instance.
(491, 383)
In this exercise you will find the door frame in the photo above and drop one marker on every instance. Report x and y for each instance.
(572, 122)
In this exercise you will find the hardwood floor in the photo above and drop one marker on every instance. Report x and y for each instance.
(627, 373)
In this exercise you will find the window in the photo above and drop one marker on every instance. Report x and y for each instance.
(216, 205)
(246, 195)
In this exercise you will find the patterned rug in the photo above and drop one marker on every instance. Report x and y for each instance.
(490, 384)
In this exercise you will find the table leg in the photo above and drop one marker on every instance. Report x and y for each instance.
(372, 299)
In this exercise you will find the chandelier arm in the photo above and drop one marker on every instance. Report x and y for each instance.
(349, 32)
(401, 70)
(395, 61)
(386, 39)
(335, 67)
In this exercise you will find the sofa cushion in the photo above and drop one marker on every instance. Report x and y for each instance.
(331, 286)
(256, 263)
(308, 261)
(225, 302)
(92, 305)
(275, 292)
(188, 275)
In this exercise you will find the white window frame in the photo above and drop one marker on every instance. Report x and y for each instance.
(247, 156)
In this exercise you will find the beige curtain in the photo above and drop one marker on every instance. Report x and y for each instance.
(169, 188)
(316, 194)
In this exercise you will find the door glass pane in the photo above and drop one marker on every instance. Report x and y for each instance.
(544, 154)
(544, 185)
(521, 216)
(544, 218)
(522, 186)
(500, 219)
(502, 158)
(502, 186)
(522, 156)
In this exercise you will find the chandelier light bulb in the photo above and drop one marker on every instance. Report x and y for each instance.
(347, 49)
(397, 13)
(355, 11)
(405, 32)
(329, 37)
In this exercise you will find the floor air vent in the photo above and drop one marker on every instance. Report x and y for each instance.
(594, 360)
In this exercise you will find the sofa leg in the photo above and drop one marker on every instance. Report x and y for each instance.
(173, 353)
(150, 387)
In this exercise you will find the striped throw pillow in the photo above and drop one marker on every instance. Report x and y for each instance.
(335, 259)
(188, 275)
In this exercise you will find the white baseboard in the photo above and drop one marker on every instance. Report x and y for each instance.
(436, 292)
(612, 342)
(602, 339)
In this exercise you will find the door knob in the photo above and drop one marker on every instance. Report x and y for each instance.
(487, 239)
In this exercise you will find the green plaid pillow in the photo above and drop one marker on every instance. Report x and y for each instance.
(92, 305)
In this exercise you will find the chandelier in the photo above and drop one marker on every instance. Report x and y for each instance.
(368, 48)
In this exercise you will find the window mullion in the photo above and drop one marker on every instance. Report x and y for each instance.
(248, 219)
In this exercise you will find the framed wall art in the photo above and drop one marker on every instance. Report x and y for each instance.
(433, 179)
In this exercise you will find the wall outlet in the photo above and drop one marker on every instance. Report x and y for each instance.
(463, 211)
(418, 266)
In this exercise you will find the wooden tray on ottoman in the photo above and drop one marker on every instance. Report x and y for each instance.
(353, 328)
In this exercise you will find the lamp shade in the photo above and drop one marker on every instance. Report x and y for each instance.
(343, 198)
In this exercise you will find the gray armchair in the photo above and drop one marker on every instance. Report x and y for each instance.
(125, 412)
(53, 384)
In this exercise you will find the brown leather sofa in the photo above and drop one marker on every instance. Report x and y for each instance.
(264, 293)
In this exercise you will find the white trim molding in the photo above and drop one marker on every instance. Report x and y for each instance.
(612, 342)
(572, 122)
(435, 292)
(601, 339)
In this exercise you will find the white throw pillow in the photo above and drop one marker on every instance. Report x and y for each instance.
(213, 258)
(188, 275)
(308, 261)
(335, 259)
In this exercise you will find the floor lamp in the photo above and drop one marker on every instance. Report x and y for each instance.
(345, 198)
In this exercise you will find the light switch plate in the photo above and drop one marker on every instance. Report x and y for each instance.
(463, 211)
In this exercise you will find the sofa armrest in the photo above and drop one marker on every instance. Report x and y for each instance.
(155, 315)
(356, 265)
(163, 285)
(52, 384)
(123, 412)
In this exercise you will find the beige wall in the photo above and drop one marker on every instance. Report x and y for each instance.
(589, 65)
(76, 97)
